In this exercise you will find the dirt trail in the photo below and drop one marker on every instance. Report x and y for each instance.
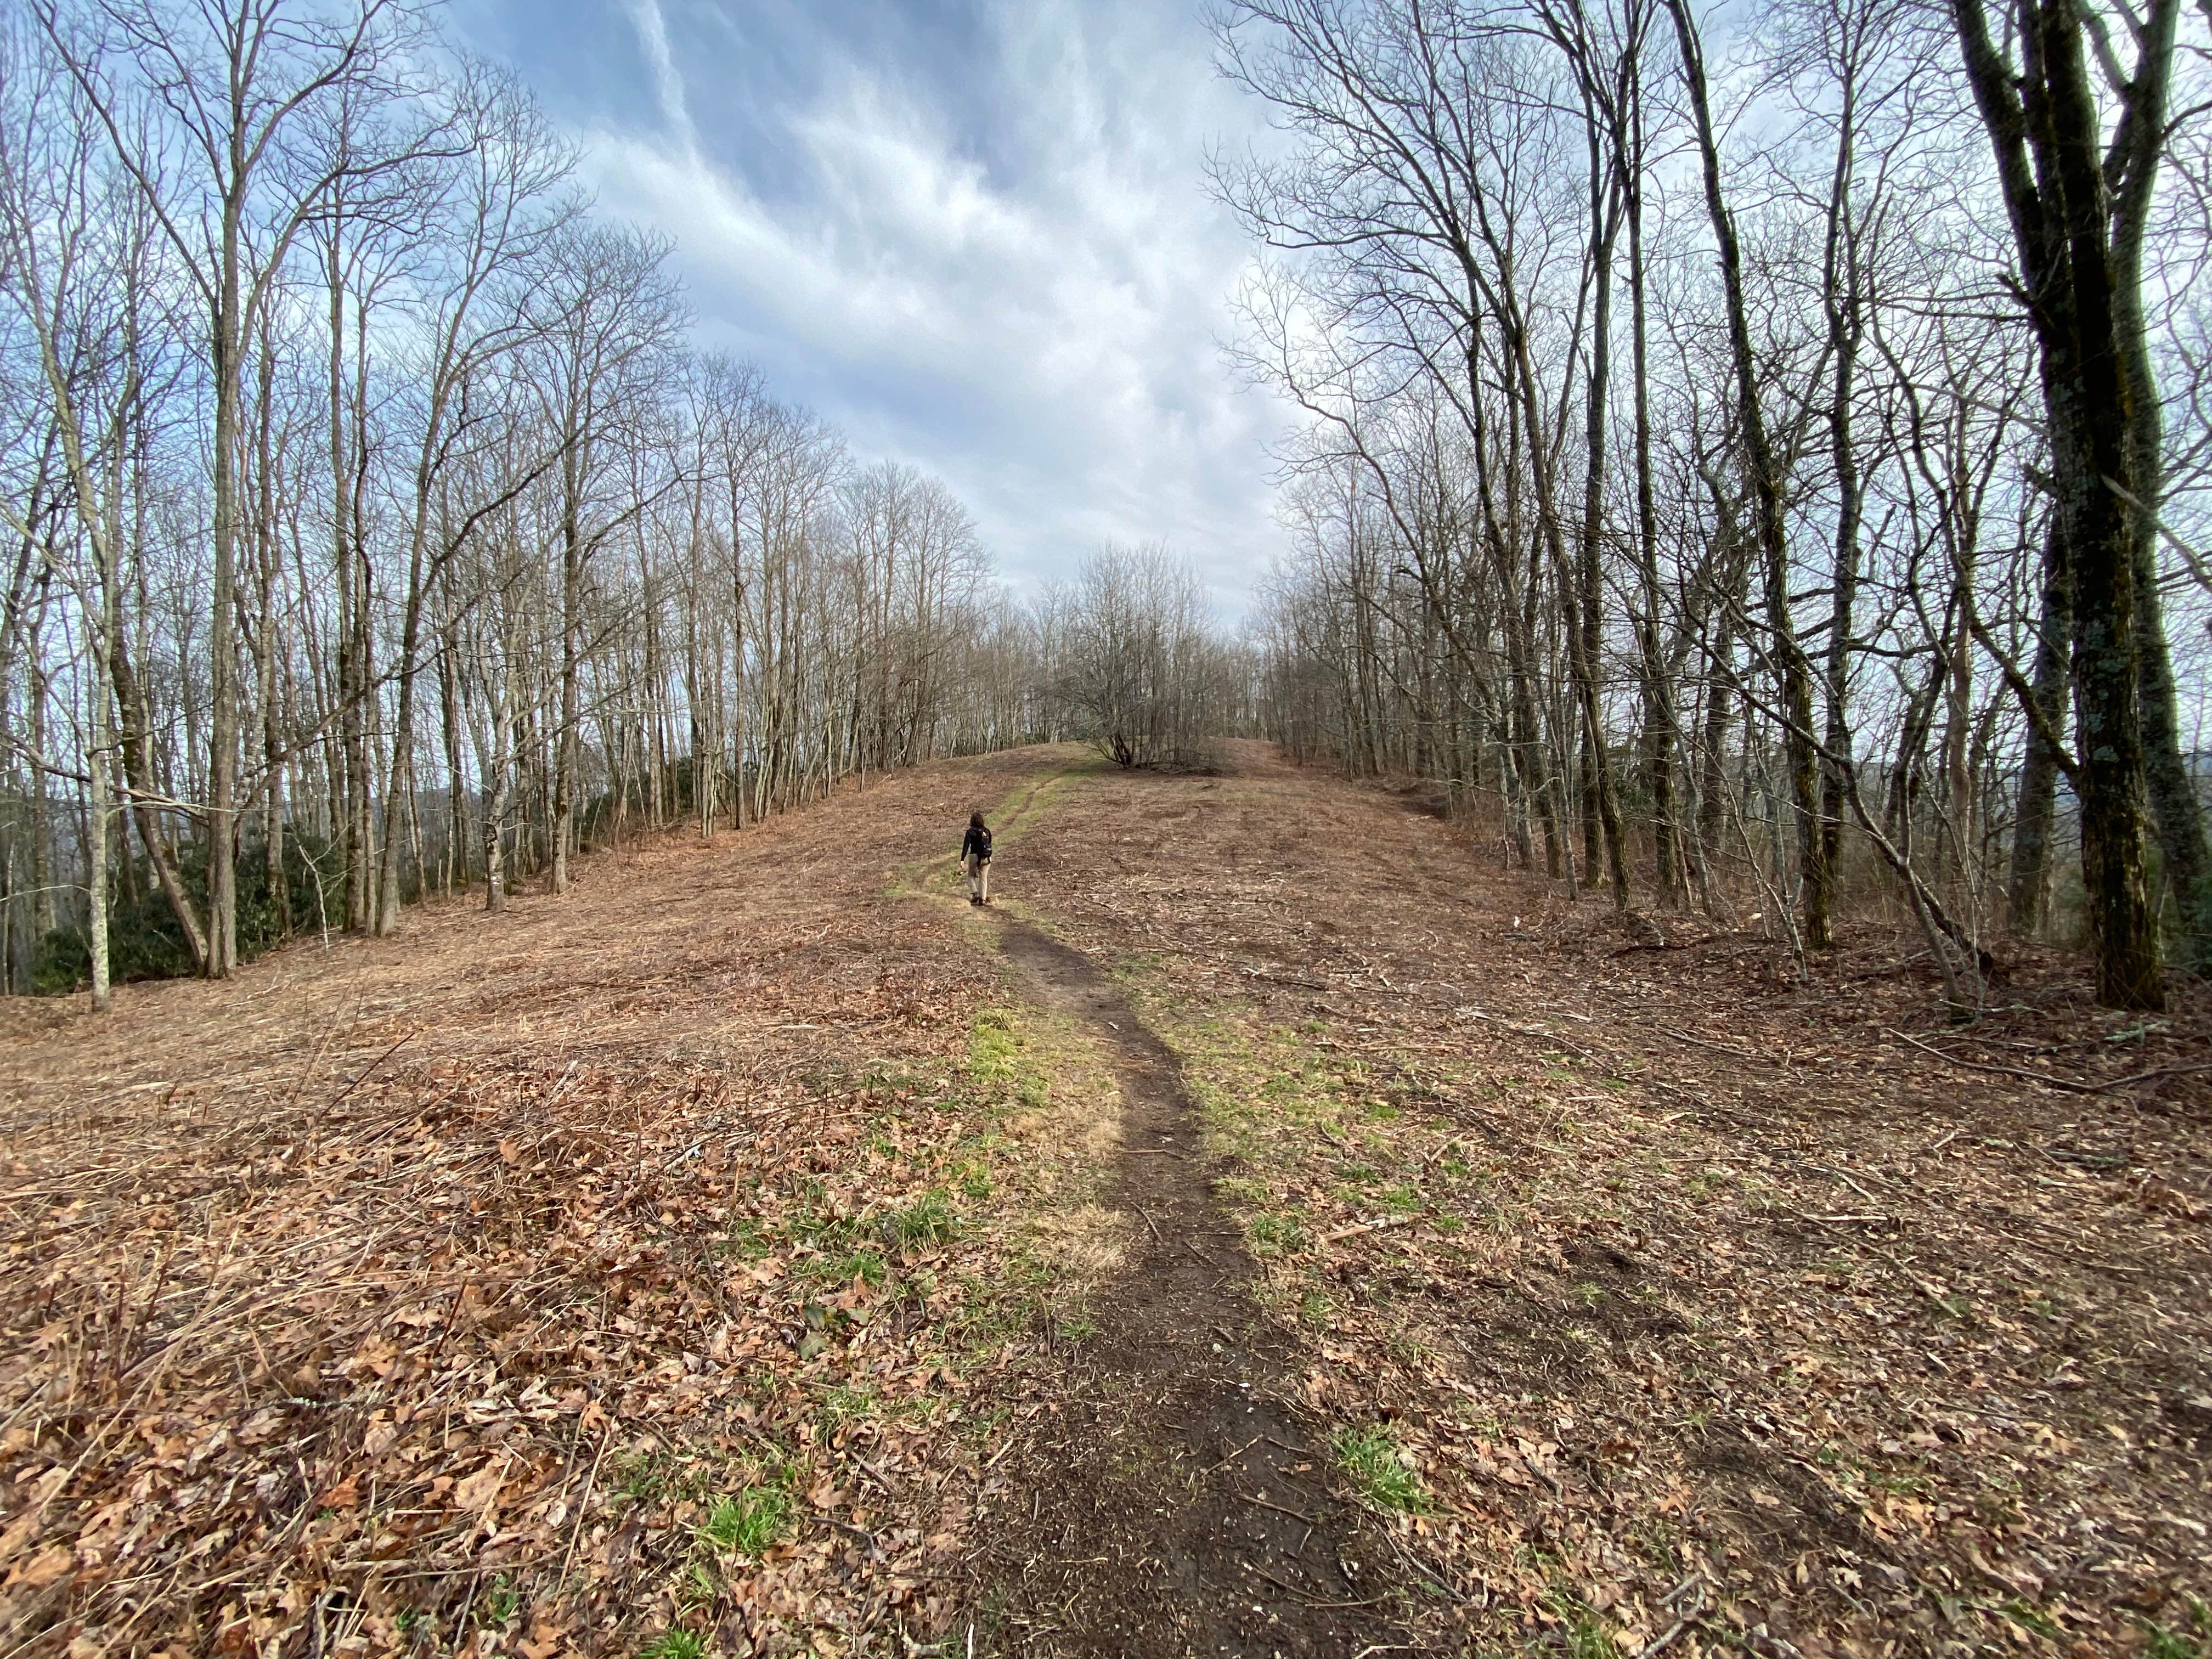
(1176, 1504)
(1689, 1305)
(488, 1287)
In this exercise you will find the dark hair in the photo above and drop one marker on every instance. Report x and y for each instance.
(976, 819)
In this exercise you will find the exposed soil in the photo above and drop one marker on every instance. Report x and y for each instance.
(1713, 1307)
(459, 1293)
(1178, 1506)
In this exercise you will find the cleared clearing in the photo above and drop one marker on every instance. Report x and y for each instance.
(738, 1254)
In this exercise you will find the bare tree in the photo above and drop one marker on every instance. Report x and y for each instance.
(1848, 591)
(608, 319)
(202, 106)
(1141, 672)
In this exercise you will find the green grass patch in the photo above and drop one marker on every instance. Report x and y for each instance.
(498, 1604)
(1003, 1061)
(1246, 1192)
(746, 1240)
(1273, 1234)
(651, 1478)
(749, 1523)
(866, 1265)
(994, 1046)
(1025, 806)
(848, 1403)
(994, 1311)
(2162, 1641)
(930, 1219)
(1373, 1464)
(1585, 1634)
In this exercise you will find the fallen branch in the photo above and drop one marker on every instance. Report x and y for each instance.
(1294, 1514)
(1703, 1042)
(369, 1071)
(1279, 979)
(2067, 1084)
(1234, 1455)
(1337, 1233)
(1303, 1599)
(1661, 1643)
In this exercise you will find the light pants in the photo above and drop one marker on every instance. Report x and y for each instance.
(979, 879)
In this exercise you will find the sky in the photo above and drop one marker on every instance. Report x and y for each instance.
(972, 233)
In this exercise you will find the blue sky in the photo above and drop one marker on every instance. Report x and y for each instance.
(975, 235)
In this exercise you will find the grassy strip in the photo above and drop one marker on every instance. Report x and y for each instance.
(1019, 810)
(982, 1243)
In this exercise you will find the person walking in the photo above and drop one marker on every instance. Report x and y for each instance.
(976, 854)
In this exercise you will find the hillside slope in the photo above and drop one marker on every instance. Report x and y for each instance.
(1271, 1229)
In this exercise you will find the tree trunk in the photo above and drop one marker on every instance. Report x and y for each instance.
(2061, 227)
(96, 760)
(403, 741)
(456, 797)
(1659, 718)
(220, 959)
(2029, 883)
(1840, 300)
(504, 758)
(565, 743)
(1794, 671)
(2175, 809)
(144, 786)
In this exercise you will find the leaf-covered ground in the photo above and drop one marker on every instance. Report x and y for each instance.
(682, 1265)
(1673, 1304)
(632, 1273)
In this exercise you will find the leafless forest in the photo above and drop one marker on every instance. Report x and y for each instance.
(1766, 450)
(1620, 1069)
(375, 530)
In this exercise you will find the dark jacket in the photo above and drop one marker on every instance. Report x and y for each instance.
(977, 844)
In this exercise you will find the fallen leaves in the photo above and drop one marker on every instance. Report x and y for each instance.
(1710, 1320)
(1694, 1274)
(321, 1342)
(57, 1561)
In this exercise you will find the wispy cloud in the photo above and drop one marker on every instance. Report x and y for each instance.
(652, 27)
(981, 246)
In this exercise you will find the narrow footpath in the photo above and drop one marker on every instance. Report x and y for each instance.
(1178, 1506)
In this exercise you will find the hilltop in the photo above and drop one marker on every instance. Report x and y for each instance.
(1271, 1228)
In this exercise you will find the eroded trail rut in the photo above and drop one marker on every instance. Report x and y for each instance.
(1173, 1504)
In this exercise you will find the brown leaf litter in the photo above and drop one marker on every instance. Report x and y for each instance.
(709, 1260)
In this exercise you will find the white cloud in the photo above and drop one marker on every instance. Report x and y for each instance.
(668, 84)
(1028, 308)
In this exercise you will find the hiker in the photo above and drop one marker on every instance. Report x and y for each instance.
(975, 854)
